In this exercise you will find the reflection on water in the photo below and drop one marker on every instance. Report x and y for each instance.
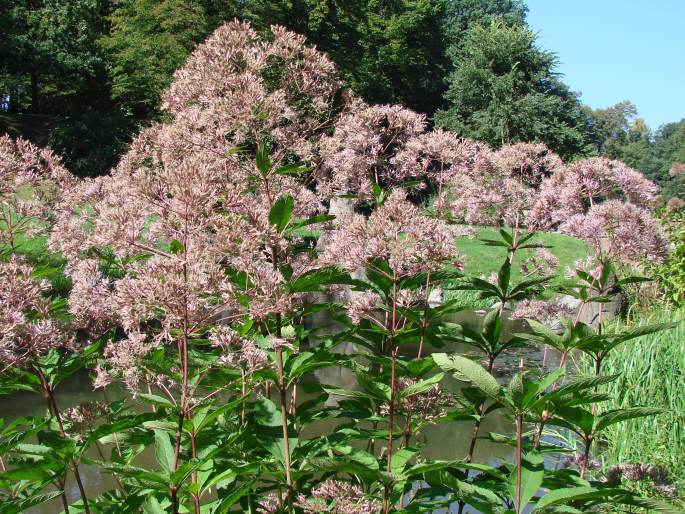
(443, 441)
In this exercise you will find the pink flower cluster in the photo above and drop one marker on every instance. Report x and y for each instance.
(188, 200)
(337, 497)
(622, 231)
(27, 330)
(363, 149)
(31, 179)
(585, 183)
(501, 187)
(396, 232)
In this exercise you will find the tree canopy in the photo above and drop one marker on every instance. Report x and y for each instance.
(504, 89)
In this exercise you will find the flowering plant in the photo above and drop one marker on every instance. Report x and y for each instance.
(210, 279)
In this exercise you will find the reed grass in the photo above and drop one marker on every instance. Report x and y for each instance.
(652, 374)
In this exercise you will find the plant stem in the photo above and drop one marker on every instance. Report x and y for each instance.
(519, 453)
(424, 326)
(283, 396)
(284, 425)
(63, 496)
(476, 429)
(182, 345)
(391, 414)
(391, 423)
(545, 413)
(52, 407)
(586, 457)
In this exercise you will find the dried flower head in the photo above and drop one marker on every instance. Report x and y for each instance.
(637, 472)
(237, 351)
(544, 312)
(678, 168)
(542, 262)
(424, 407)
(86, 416)
(364, 306)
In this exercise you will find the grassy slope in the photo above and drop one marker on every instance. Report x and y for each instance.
(480, 259)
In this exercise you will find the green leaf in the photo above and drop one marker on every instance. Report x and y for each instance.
(176, 246)
(227, 502)
(315, 279)
(344, 465)
(468, 371)
(567, 495)
(164, 451)
(400, 458)
(24, 505)
(504, 275)
(269, 433)
(312, 220)
(157, 400)
(152, 506)
(262, 159)
(532, 473)
(616, 416)
(281, 212)
(506, 236)
(421, 386)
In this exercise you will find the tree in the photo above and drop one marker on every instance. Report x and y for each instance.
(657, 162)
(608, 128)
(505, 90)
(148, 41)
(386, 51)
(49, 52)
(617, 133)
(460, 15)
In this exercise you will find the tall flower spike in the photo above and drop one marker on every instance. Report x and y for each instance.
(191, 200)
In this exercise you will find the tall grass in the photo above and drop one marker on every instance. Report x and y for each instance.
(652, 374)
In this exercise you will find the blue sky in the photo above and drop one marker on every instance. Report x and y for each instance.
(613, 50)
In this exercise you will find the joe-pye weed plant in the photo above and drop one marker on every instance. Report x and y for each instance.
(193, 266)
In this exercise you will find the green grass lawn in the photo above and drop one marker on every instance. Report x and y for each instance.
(483, 260)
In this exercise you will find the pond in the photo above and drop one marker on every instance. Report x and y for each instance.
(443, 441)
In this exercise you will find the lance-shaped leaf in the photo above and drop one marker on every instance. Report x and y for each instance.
(617, 416)
(281, 212)
(468, 371)
(421, 386)
(262, 159)
(532, 473)
(269, 431)
(164, 451)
